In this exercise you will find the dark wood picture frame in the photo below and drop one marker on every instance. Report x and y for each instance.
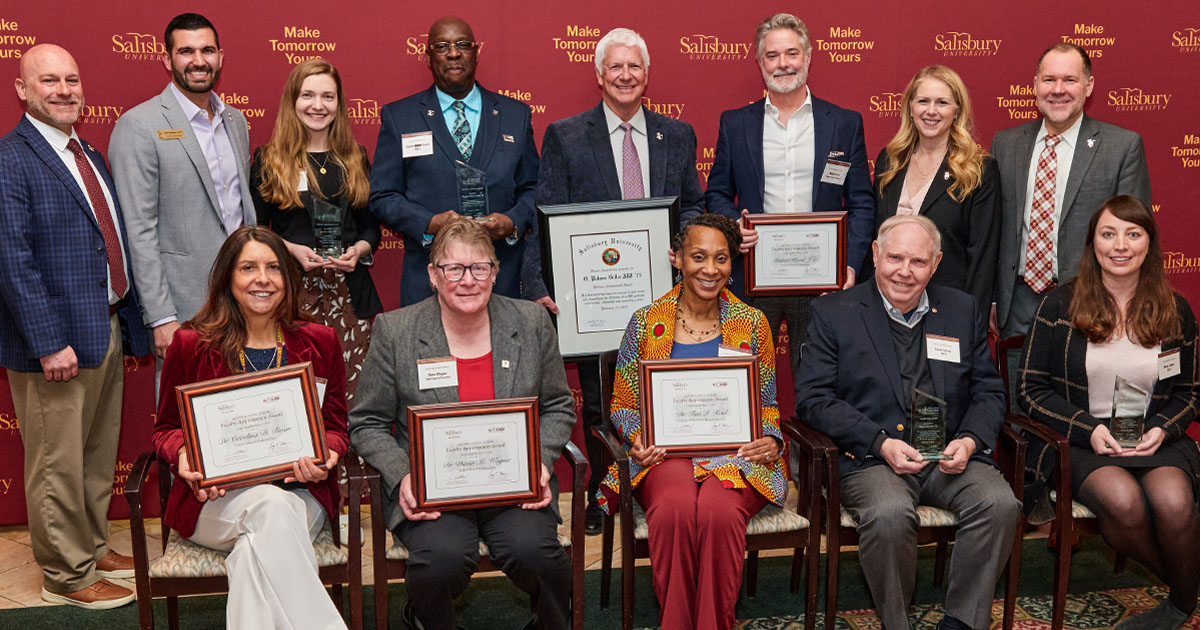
(648, 367)
(756, 220)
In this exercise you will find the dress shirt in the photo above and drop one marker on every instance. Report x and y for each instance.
(1120, 357)
(616, 136)
(218, 154)
(473, 101)
(788, 159)
(1065, 150)
(898, 316)
(58, 141)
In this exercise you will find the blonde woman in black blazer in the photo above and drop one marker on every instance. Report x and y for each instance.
(1119, 317)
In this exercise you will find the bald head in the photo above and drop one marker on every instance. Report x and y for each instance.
(451, 53)
(50, 87)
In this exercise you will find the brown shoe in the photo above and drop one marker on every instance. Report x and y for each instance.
(100, 596)
(115, 565)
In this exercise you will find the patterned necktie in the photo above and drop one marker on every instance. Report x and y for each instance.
(631, 167)
(108, 230)
(1039, 250)
(462, 129)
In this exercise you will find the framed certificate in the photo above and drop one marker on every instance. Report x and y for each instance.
(797, 254)
(604, 260)
(247, 429)
(475, 455)
(696, 407)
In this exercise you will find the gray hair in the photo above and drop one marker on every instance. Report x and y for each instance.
(621, 37)
(924, 223)
(782, 20)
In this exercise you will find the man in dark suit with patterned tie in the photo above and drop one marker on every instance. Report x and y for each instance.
(67, 308)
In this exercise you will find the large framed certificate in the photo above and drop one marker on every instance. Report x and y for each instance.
(247, 429)
(475, 454)
(603, 261)
(697, 407)
(797, 254)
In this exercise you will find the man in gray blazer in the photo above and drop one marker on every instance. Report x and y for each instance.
(181, 163)
(1093, 163)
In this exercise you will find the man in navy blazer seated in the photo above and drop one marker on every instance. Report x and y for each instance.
(791, 152)
(68, 307)
(615, 150)
(424, 137)
(869, 348)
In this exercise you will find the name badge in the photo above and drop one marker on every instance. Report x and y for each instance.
(170, 134)
(835, 172)
(434, 373)
(730, 351)
(939, 348)
(417, 144)
(1168, 364)
(302, 185)
(321, 384)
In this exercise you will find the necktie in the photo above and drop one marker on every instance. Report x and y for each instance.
(108, 230)
(1039, 250)
(631, 167)
(462, 129)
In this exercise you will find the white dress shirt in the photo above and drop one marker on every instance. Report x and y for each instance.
(788, 159)
(218, 153)
(1065, 151)
(616, 136)
(58, 141)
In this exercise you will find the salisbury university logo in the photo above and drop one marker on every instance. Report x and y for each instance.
(611, 256)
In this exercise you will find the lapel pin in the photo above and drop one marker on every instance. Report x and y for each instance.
(658, 135)
(495, 112)
(507, 138)
(946, 175)
(1091, 142)
(429, 113)
(504, 363)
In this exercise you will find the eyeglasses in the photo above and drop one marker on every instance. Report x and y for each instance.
(462, 45)
(454, 271)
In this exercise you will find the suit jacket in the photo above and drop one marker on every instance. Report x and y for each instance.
(849, 382)
(1052, 388)
(737, 179)
(577, 165)
(525, 362)
(970, 228)
(1108, 161)
(189, 360)
(407, 192)
(175, 223)
(54, 271)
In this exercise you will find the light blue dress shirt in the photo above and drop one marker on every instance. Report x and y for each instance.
(473, 101)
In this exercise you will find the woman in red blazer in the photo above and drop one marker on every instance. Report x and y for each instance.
(251, 321)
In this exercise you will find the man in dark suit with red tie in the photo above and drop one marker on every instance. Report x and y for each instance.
(67, 309)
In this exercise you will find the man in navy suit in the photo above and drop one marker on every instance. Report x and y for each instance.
(791, 152)
(615, 150)
(426, 138)
(869, 350)
(67, 306)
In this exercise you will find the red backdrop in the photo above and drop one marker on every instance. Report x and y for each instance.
(1146, 64)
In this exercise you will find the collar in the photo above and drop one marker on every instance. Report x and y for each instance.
(53, 135)
(613, 121)
(898, 317)
(473, 100)
(189, 108)
(774, 111)
(1069, 137)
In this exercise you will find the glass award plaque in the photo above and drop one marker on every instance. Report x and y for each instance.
(1128, 413)
(327, 228)
(928, 424)
(472, 191)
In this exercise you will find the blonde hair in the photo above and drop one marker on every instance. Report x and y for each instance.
(966, 158)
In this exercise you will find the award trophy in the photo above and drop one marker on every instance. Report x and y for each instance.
(472, 191)
(327, 227)
(1128, 413)
(928, 424)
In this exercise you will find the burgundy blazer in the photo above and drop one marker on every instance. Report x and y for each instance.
(190, 361)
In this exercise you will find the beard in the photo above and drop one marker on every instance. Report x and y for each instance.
(196, 87)
(785, 82)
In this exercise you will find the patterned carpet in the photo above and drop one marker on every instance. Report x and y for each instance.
(1085, 611)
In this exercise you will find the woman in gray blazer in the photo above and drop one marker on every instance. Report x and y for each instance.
(501, 348)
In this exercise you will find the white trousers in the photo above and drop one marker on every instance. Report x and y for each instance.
(273, 583)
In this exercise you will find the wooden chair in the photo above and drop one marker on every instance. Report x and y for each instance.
(771, 528)
(389, 558)
(186, 568)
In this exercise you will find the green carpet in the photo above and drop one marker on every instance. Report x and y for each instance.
(496, 603)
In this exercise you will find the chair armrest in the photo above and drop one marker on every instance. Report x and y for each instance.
(1056, 440)
(1062, 462)
(135, 482)
(1010, 455)
(615, 449)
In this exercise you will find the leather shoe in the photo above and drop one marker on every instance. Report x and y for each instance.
(410, 618)
(99, 596)
(593, 519)
(115, 565)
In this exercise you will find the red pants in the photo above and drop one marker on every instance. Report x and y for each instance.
(697, 544)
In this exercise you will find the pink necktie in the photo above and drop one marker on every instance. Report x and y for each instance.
(631, 167)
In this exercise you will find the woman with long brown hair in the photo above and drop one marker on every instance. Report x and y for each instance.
(1120, 319)
(312, 163)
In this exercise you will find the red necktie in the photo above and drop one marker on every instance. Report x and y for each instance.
(1039, 250)
(112, 245)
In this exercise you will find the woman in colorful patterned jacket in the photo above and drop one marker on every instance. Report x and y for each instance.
(697, 509)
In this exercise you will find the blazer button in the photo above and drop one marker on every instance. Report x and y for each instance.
(104, 284)
(99, 250)
(899, 427)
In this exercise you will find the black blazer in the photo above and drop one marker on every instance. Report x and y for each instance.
(970, 228)
(1054, 391)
